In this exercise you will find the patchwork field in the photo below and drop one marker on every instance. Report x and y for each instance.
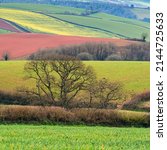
(69, 21)
(135, 76)
(24, 44)
(72, 137)
(40, 23)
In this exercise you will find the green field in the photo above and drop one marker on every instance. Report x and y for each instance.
(4, 31)
(29, 137)
(59, 22)
(42, 8)
(113, 24)
(141, 13)
(135, 76)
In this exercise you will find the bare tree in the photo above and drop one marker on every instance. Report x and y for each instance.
(74, 76)
(45, 80)
(60, 78)
(107, 91)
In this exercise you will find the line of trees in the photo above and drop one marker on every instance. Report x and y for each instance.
(61, 79)
(99, 51)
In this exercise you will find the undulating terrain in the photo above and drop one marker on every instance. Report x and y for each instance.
(116, 38)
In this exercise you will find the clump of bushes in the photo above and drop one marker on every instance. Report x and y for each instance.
(136, 102)
(85, 56)
(113, 57)
(53, 115)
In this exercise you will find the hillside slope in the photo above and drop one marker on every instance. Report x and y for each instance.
(69, 21)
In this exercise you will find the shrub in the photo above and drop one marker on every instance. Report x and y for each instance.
(113, 57)
(85, 56)
(136, 101)
(39, 114)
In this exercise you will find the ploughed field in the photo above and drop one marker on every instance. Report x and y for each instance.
(23, 44)
(134, 76)
(45, 137)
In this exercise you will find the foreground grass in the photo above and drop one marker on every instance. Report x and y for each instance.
(135, 76)
(72, 137)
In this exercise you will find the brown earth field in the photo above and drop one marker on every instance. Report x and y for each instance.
(20, 45)
(7, 26)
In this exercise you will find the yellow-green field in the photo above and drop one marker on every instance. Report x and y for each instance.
(135, 76)
(41, 23)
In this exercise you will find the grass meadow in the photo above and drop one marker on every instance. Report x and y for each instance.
(134, 76)
(61, 137)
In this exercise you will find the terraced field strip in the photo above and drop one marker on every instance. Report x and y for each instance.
(135, 76)
(41, 23)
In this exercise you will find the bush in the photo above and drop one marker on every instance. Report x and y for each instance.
(8, 98)
(85, 56)
(39, 114)
(113, 57)
(136, 101)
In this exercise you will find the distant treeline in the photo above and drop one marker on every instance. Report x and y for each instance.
(99, 51)
(113, 9)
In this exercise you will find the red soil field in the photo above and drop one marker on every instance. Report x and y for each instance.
(19, 45)
(7, 26)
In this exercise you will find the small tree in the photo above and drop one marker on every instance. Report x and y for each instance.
(106, 91)
(5, 56)
(144, 36)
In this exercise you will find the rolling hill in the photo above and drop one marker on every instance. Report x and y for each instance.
(69, 21)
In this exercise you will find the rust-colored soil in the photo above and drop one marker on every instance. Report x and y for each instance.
(7, 26)
(23, 44)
